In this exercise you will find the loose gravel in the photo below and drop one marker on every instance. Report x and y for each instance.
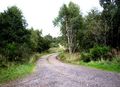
(50, 72)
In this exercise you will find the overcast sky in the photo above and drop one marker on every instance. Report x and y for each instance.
(40, 13)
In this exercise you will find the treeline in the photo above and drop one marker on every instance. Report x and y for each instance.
(96, 33)
(17, 43)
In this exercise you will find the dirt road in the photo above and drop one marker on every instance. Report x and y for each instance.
(50, 72)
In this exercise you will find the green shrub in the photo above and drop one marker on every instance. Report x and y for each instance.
(116, 60)
(16, 53)
(99, 52)
(62, 56)
(2, 60)
(15, 71)
(10, 51)
(22, 54)
(86, 57)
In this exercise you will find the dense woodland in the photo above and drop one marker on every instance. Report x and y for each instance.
(96, 35)
(17, 43)
(92, 40)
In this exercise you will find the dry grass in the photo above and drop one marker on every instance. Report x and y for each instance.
(113, 65)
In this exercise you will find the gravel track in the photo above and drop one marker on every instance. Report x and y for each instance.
(50, 72)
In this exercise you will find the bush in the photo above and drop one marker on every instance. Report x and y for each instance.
(99, 52)
(2, 60)
(22, 53)
(62, 56)
(10, 51)
(86, 57)
(15, 53)
(116, 60)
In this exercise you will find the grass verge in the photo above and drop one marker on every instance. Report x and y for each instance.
(19, 70)
(104, 65)
(113, 65)
(15, 71)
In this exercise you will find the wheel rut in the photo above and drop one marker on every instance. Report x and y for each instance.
(50, 72)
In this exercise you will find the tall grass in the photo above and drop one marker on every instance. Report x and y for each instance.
(15, 71)
(19, 70)
(113, 65)
(104, 65)
(66, 57)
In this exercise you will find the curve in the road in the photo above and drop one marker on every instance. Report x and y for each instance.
(50, 72)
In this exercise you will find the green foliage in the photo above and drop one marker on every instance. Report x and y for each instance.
(3, 61)
(69, 58)
(37, 42)
(93, 32)
(96, 34)
(62, 56)
(110, 16)
(15, 71)
(86, 57)
(22, 54)
(12, 27)
(58, 40)
(10, 50)
(70, 22)
(34, 38)
(113, 65)
(104, 65)
(16, 53)
(116, 60)
(99, 52)
(43, 45)
(13, 36)
(17, 43)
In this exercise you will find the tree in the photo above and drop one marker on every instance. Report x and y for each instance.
(12, 26)
(111, 16)
(13, 34)
(34, 38)
(17, 43)
(94, 33)
(49, 38)
(69, 19)
(38, 43)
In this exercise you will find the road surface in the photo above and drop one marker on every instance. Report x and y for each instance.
(50, 72)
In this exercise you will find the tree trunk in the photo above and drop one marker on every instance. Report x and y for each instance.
(71, 38)
(68, 37)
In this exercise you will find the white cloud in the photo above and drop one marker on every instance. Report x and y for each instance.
(40, 13)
